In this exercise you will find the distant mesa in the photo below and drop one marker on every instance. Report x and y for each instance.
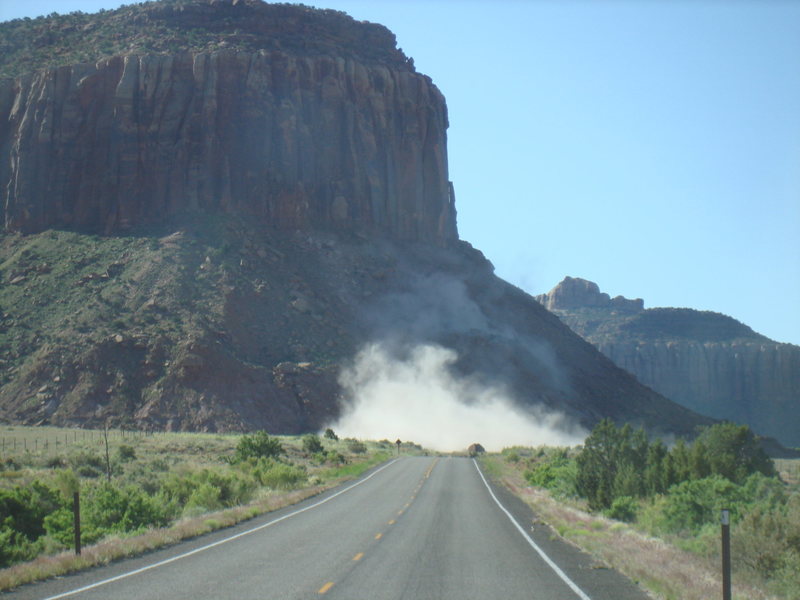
(706, 361)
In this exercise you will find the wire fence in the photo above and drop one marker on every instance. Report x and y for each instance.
(22, 441)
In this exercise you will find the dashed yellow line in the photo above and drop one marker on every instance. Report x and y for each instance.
(326, 588)
(430, 469)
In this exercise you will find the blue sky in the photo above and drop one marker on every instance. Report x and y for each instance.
(650, 146)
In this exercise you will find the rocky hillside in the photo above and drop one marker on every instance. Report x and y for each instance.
(211, 205)
(706, 361)
(221, 324)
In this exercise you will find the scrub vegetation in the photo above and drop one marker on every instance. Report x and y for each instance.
(653, 512)
(138, 491)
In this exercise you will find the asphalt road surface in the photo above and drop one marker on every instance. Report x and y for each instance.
(416, 528)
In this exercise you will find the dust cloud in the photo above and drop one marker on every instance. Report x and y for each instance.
(413, 395)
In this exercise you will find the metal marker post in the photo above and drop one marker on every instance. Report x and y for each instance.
(76, 512)
(725, 519)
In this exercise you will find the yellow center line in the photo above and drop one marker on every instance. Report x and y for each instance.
(430, 469)
(324, 589)
(358, 556)
(392, 522)
(378, 536)
(399, 512)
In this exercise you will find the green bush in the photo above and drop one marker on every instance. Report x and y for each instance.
(15, 547)
(356, 447)
(542, 475)
(111, 509)
(55, 462)
(257, 445)
(691, 504)
(555, 470)
(336, 458)
(279, 476)
(205, 497)
(87, 464)
(619, 462)
(311, 444)
(106, 509)
(10, 464)
(331, 435)
(767, 539)
(59, 526)
(733, 452)
(208, 488)
(23, 510)
(89, 471)
(126, 453)
(623, 508)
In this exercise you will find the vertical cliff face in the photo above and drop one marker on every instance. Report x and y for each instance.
(751, 382)
(299, 139)
(705, 361)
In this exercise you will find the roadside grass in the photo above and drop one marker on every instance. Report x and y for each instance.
(662, 569)
(353, 470)
(139, 459)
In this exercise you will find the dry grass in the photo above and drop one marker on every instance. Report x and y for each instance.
(664, 571)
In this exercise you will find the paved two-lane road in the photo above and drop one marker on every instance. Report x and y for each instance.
(417, 528)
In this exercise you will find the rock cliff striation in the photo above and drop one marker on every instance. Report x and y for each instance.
(705, 361)
(334, 134)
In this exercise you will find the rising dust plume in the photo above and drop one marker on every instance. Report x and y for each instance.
(415, 396)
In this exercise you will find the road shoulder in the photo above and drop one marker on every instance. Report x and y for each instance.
(596, 579)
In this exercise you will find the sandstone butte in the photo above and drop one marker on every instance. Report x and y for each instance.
(304, 138)
(320, 154)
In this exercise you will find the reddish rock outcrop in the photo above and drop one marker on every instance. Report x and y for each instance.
(297, 140)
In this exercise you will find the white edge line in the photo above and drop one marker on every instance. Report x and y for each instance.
(97, 584)
(572, 585)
